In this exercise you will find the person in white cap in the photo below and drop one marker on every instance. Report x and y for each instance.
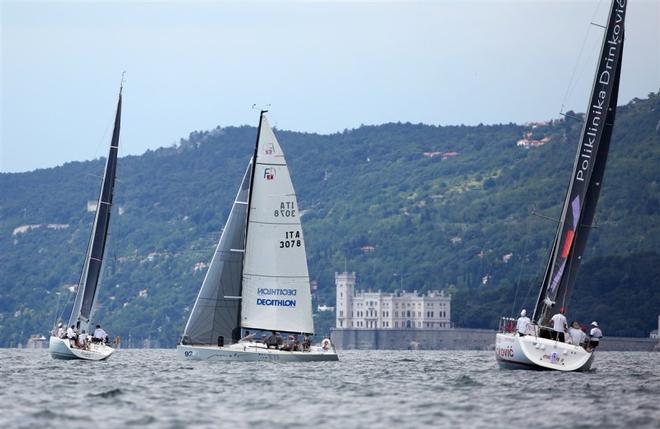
(523, 323)
(594, 335)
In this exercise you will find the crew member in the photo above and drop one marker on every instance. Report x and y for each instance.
(576, 334)
(71, 334)
(559, 325)
(82, 339)
(307, 343)
(594, 335)
(100, 336)
(59, 331)
(523, 323)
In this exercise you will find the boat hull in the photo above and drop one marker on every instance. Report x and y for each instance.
(531, 352)
(252, 352)
(60, 349)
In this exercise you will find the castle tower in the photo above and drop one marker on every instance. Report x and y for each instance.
(345, 284)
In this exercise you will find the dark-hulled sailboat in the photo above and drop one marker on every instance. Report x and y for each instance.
(81, 313)
(536, 350)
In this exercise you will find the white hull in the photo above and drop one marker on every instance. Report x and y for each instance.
(531, 352)
(251, 352)
(61, 349)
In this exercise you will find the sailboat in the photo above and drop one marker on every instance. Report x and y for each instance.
(536, 349)
(81, 313)
(258, 278)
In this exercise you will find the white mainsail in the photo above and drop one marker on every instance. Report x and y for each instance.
(276, 293)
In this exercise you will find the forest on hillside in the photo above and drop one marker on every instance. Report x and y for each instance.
(467, 209)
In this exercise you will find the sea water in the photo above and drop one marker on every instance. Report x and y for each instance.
(388, 389)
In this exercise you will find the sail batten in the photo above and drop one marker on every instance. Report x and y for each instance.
(582, 195)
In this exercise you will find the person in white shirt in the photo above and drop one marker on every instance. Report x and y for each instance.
(576, 334)
(61, 331)
(72, 335)
(58, 331)
(523, 323)
(594, 335)
(82, 339)
(559, 325)
(99, 335)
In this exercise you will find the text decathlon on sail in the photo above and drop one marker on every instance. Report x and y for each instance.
(277, 292)
(593, 128)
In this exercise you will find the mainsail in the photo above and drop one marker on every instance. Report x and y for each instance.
(88, 285)
(583, 191)
(216, 312)
(276, 292)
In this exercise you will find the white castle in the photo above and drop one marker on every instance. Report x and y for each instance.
(400, 310)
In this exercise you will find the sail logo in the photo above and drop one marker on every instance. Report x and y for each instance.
(601, 96)
(276, 291)
(269, 173)
(276, 302)
(269, 149)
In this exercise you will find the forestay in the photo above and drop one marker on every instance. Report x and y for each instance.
(216, 311)
(276, 292)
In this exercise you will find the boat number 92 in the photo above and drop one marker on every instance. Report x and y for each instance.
(287, 209)
(188, 353)
(291, 239)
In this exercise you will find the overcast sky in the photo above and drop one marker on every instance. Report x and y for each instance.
(322, 66)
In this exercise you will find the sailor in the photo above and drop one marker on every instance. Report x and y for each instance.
(100, 336)
(523, 323)
(273, 340)
(59, 331)
(82, 339)
(559, 325)
(71, 334)
(576, 334)
(594, 335)
(307, 343)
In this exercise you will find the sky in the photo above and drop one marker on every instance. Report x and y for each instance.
(321, 66)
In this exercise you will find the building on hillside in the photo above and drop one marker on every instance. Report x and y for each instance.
(379, 310)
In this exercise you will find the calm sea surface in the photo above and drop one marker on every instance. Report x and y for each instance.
(398, 389)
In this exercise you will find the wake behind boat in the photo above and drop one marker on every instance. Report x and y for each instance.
(537, 346)
(74, 344)
(258, 277)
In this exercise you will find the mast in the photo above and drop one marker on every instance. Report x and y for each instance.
(88, 285)
(254, 163)
(587, 174)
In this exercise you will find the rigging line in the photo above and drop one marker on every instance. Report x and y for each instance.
(571, 82)
(522, 264)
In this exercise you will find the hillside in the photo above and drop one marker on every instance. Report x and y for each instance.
(404, 205)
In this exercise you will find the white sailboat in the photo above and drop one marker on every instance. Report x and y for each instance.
(536, 349)
(81, 313)
(258, 277)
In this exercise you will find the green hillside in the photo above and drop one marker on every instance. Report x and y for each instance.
(404, 205)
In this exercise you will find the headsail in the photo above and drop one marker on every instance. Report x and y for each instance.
(582, 196)
(276, 293)
(87, 288)
(217, 309)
